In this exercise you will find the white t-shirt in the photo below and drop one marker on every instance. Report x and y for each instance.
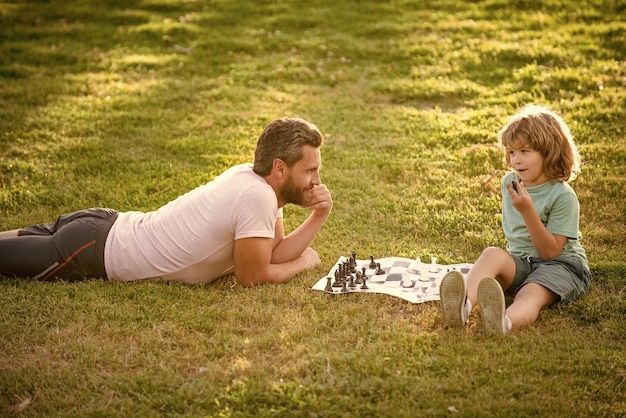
(191, 238)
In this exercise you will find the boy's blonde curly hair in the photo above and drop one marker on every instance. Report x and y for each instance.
(542, 130)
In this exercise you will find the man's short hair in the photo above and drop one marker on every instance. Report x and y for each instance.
(284, 139)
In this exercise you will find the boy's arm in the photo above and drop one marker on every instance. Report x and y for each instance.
(548, 245)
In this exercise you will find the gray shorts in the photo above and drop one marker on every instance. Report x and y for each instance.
(567, 276)
(71, 248)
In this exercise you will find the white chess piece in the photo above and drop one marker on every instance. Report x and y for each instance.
(406, 280)
(433, 265)
(423, 272)
(415, 266)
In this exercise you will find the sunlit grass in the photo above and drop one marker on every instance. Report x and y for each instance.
(129, 105)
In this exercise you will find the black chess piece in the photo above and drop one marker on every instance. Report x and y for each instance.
(353, 262)
(372, 262)
(379, 269)
(351, 282)
(358, 278)
(364, 285)
(344, 288)
(337, 282)
(329, 285)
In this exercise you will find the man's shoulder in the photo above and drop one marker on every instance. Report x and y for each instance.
(243, 177)
(244, 168)
(242, 181)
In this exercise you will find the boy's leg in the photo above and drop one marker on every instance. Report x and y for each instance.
(492, 306)
(453, 299)
(529, 301)
(459, 295)
(495, 263)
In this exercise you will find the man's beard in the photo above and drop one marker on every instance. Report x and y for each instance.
(292, 194)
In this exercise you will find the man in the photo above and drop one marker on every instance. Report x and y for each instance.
(232, 224)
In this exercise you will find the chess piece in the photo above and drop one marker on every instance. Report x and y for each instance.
(346, 270)
(329, 285)
(372, 262)
(358, 278)
(433, 265)
(424, 272)
(364, 285)
(337, 282)
(379, 269)
(353, 262)
(344, 288)
(351, 283)
(406, 283)
(415, 266)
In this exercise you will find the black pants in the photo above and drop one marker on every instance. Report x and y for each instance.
(72, 248)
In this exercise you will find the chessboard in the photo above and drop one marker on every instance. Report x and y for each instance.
(413, 280)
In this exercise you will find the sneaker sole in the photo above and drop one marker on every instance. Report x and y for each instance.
(492, 306)
(453, 294)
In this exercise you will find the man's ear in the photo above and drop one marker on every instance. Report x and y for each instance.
(279, 167)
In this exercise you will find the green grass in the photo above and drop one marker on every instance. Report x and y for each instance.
(128, 104)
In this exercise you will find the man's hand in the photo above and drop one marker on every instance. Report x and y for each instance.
(253, 266)
(319, 201)
(295, 244)
(310, 258)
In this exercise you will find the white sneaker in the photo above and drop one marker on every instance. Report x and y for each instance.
(453, 295)
(492, 306)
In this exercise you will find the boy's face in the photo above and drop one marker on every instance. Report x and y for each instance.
(527, 163)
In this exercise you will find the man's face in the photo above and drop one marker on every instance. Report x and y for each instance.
(301, 177)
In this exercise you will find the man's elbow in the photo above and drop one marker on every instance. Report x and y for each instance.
(246, 283)
(255, 279)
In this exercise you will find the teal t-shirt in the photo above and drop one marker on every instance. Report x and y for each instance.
(559, 210)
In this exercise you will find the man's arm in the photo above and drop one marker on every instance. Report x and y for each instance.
(266, 260)
(253, 266)
(294, 244)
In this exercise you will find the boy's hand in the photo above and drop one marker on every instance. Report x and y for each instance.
(519, 196)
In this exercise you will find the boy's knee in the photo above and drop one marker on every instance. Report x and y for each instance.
(494, 252)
